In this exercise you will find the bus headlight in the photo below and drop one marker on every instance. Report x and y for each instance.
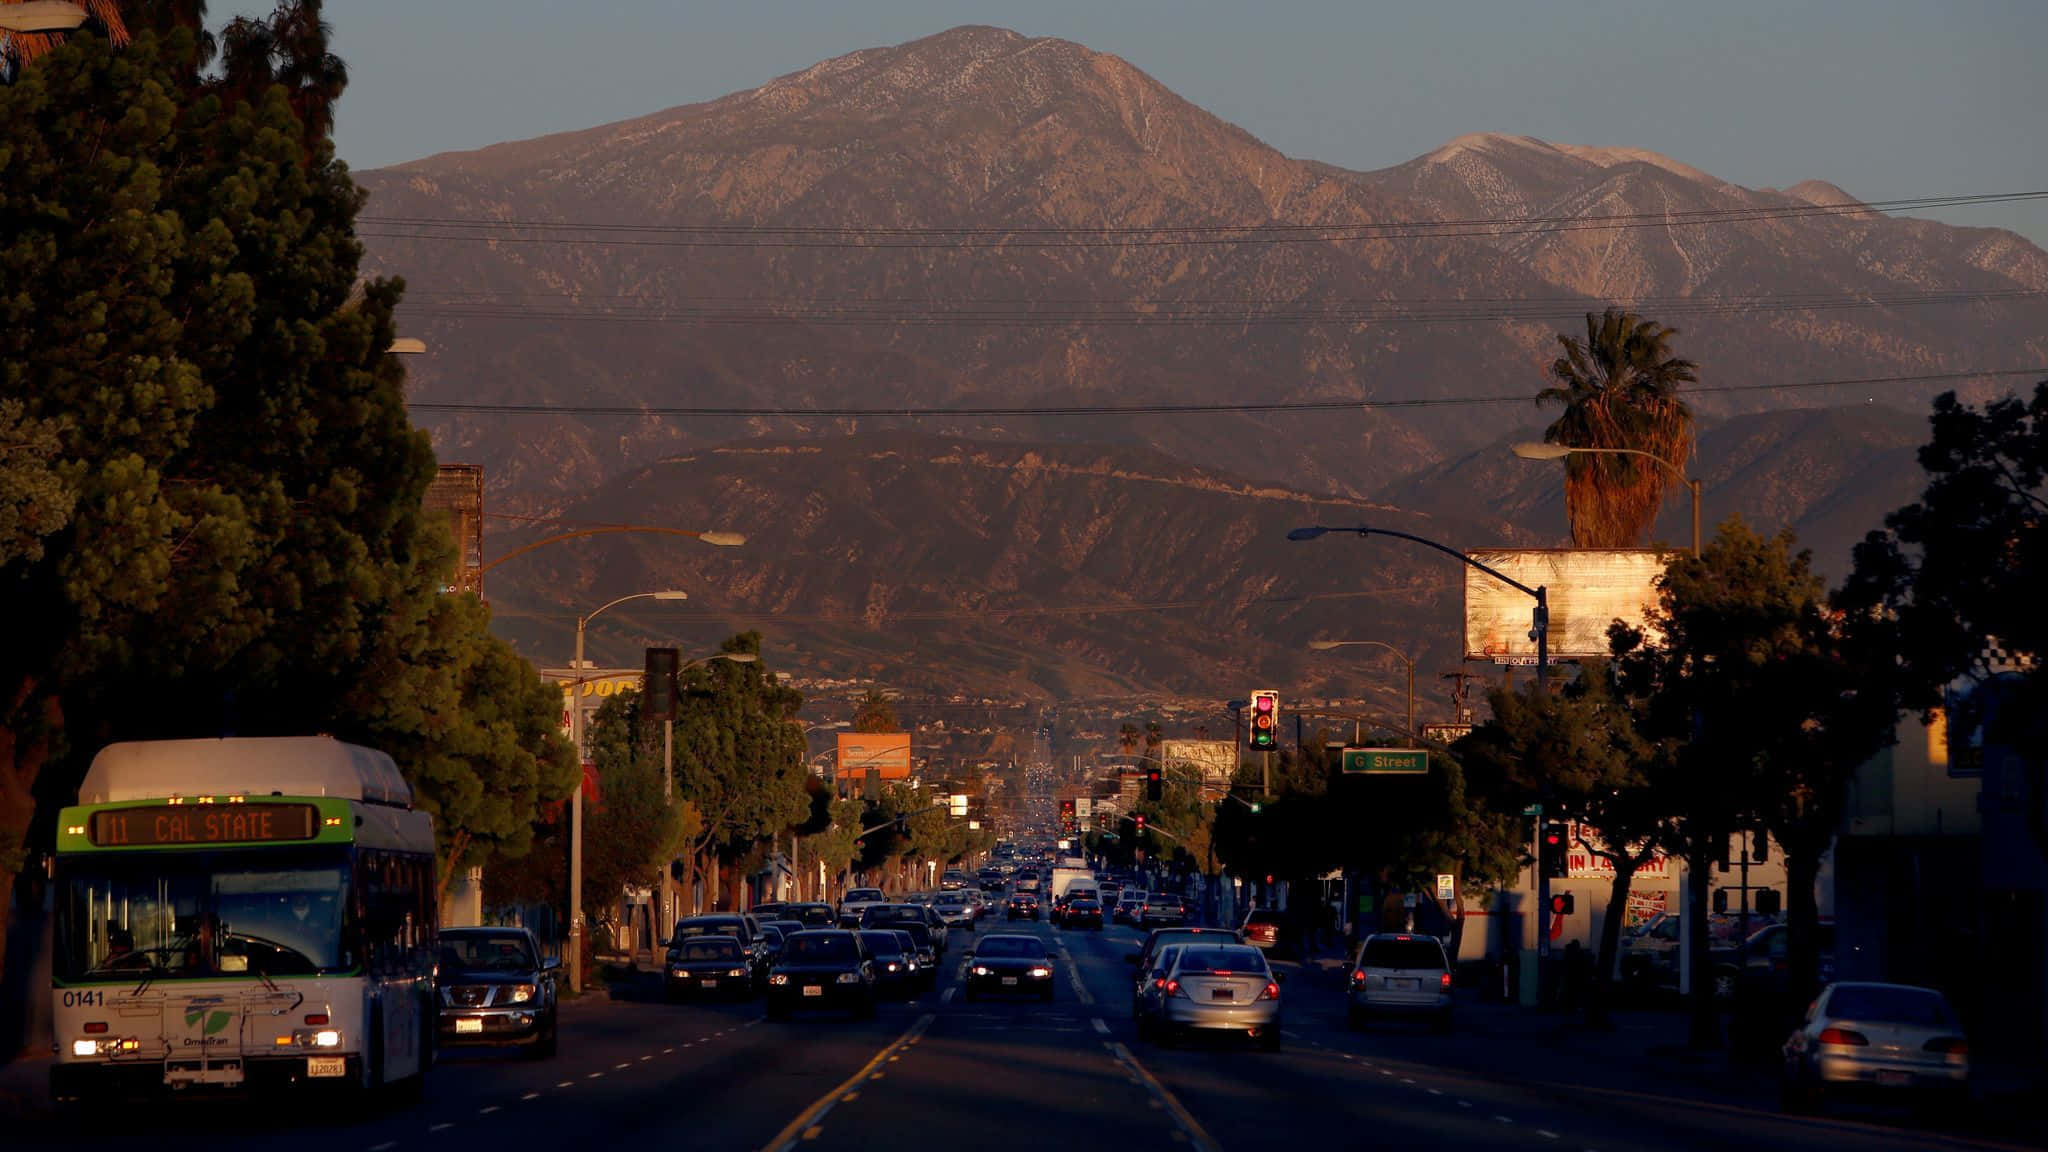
(327, 1038)
(521, 993)
(85, 1047)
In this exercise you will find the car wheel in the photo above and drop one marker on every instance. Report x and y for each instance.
(548, 1044)
(1796, 1094)
(1354, 1018)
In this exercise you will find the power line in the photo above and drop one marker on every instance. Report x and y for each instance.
(1145, 409)
(738, 235)
(1168, 314)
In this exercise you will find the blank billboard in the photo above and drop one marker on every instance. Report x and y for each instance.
(1588, 589)
(886, 752)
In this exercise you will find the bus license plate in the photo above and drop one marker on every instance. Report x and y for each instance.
(472, 1024)
(329, 1065)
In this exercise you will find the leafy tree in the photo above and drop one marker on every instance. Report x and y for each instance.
(179, 305)
(739, 761)
(34, 500)
(1960, 571)
(874, 712)
(1619, 387)
(632, 830)
(474, 727)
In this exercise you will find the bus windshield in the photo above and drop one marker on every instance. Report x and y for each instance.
(151, 916)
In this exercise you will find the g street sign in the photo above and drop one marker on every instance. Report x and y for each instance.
(1386, 761)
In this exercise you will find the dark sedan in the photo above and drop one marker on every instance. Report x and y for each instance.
(1005, 964)
(1082, 912)
(496, 988)
(1022, 906)
(822, 968)
(894, 956)
(709, 966)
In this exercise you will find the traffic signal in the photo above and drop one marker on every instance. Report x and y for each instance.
(1155, 782)
(1265, 726)
(1555, 845)
(1140, 818)
(1768, 902)
(658, 688)
(1562, 904)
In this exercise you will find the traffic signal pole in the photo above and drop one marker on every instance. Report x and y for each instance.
(1542, 913)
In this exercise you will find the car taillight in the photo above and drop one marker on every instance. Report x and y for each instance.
(1272, 991)
(1949, 1045)
(1173, 988)
(1358, 975)
(1444, 980)
(1842, 1036)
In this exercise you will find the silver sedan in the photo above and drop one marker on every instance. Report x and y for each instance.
(1219, 988)
(1885, 1038)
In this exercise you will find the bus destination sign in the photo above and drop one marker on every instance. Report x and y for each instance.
(162, 824)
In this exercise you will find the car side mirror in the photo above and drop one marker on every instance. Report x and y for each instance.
(551, 963)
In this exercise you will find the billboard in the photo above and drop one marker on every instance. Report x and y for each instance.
(886, 752)
(1588, 589)
(1214, 760)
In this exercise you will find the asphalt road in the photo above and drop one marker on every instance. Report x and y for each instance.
(1070, 1074)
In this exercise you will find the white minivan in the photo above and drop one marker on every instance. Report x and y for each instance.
(1400, 974)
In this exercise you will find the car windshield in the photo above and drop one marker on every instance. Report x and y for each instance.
(882, 943)
(1010, 947)
(712, 948)
(486, 952)
(805, 948)
(1205, 958)
(1919, 1007)
(707, 927)
(855, 895)
(1415, 952)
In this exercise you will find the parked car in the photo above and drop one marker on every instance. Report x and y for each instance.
(1012, 964)
(709, 966)
(1262, 928)
(1217, 988)
(1400, 974)
(1758, 964)
(496, 988)
(1880, 1039)
(1649, 955)
(1022, 906)
(822, 968)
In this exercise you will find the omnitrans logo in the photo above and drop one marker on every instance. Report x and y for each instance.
(208, 1018)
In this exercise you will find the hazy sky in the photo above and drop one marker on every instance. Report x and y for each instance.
(1887, 98)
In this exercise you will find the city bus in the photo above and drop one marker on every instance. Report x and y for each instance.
(242, 913)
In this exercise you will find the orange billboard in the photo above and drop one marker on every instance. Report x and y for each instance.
(885, 752)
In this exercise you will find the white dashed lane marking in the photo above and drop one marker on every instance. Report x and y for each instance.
(531, 1096)
(564, 1083)
(487, 1109)
(441, 1127)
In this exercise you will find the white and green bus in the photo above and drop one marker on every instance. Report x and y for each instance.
(242, 913)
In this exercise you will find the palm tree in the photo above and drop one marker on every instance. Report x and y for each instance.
(288, 49)
(1619, 388)
(1127, 738)
(18, 48)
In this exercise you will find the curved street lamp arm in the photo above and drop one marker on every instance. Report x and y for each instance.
(615, 603)
(582, 532)
(1447, 550)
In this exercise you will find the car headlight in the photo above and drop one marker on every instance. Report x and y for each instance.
(894, 966)
(849, 978)
(980, 970)
(736, 972)
(1041, 972)
(778, 978)
(521, 993)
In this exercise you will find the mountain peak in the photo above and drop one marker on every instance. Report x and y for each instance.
(1500, 147)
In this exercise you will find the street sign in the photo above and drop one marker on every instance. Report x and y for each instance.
(1446, 888)
(1446, 733)
(1409, 901)
(1386, 761)
(1084, 807)
(1533, 810)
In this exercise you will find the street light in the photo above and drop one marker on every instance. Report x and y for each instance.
(1533, 451)
(408, 346)
(576, 797)
(41, 16)
(1539, 631)
(1326, 645)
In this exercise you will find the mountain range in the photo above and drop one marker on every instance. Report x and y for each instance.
(755, 313)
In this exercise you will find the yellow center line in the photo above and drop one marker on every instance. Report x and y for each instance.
(807, 1120)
